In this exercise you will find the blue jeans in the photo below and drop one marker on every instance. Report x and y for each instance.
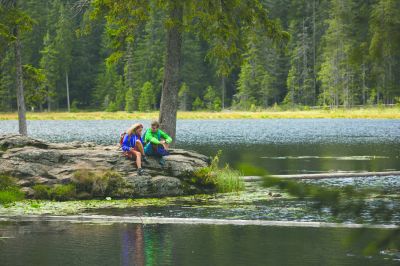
(155, 150)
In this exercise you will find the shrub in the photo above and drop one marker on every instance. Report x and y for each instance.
(146, 98)
(253, 108)
(83, 180)
(115, 183)
(112, 107)
(42, 192)
(97, 184)
(74, 106)
(6, 182)
(129, 101)
(57, 192)
(197, 104)
(63, 192)
(94, 183)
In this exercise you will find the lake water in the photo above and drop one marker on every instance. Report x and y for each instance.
(64, 243)
(280, 146)
(270, 204)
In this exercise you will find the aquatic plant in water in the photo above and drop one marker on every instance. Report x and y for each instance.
(223, 179)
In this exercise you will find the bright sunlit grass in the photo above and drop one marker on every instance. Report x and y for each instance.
(372, 112)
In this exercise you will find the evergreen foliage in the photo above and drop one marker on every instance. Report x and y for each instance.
(340, 53)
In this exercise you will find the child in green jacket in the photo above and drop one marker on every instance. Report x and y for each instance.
(156, 142)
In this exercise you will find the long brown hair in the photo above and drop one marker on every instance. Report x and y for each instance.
(133, 128)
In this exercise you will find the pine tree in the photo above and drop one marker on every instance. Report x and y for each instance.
(197, 73)
(63, 46)
(257, 83)
(197, 104)
(49, 64)
(300, 78)
(385, 49)
(145, 57)
(13, 22)
(7, 81)
(35, 92)
(212, 100)
(129, 101)
(183, 96)
(216, 22)
(336, 74)
(146, 99)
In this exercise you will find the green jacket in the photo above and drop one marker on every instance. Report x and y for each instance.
(154, 137)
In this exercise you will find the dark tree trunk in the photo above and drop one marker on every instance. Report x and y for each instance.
(170, 88)
(67, 85)
(223, 85)
(20, 85)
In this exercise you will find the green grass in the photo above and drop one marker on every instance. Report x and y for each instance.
(91, 184)
(222, 179)
(11, 195)
(85, 185)
(276, 112)
(9, 191)
(56, 192)
(229, 180)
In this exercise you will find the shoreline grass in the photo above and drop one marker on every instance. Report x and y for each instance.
(365, 112)
(9, 191)
(224, 180)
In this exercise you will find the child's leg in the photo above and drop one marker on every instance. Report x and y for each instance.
(139, 147)
(138, 156)
(161, 151)
(148, 149)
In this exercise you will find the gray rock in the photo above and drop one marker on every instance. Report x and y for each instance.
(34, 161)
(167, 186)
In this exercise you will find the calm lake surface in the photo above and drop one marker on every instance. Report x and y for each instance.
(63, 243)
(281, 146)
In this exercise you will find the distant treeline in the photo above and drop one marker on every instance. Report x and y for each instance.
(341, 52)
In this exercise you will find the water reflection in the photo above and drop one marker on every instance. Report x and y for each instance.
(134, 244)
(145, 245)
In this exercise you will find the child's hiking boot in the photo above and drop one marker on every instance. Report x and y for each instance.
(140, 171)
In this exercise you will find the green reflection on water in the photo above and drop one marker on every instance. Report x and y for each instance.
(62, 243)
(311, 158)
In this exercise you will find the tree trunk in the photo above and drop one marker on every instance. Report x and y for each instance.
(66, 81)
(363, 84)
(48, 102)
(170, 88)
(223, 92)
(314, 58)
(20, 85)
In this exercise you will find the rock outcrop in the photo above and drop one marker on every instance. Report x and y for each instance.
(34, 162)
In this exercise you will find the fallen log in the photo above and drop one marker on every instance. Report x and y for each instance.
(326, 175)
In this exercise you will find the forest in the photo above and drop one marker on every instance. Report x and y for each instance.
(337, 53)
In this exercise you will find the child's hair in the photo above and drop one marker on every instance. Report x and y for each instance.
(133, 128)
(155, 123)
